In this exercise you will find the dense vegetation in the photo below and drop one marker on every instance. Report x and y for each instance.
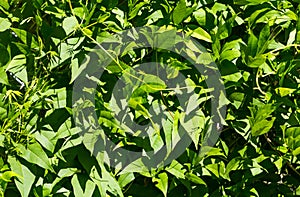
(44, 47)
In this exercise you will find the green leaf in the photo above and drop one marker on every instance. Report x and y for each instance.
(176, 169)
(35, 154)
(26, 37)
(4, 4)
(136, 9)
(179, 12)
(26, 180)
(205, 58)
(125, 179)
(3, 76)
(162, 182)
(292, 139)
(7, 175)
(4, 24)
(256, 62)
(17, 66)
(201, 34)
(263, 40)
(237, 99)
(252, 45)
(78, 190)
(45, 137)
(284, 91)
(232, 165)
(261, 120)
(69, 24)
(76, 186)
(194, 178)
(249, 2)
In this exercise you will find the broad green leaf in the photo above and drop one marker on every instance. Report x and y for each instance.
(261, 120)
(5, 4)
(125, 179)
(225, 28)
(162, 182)
(17, 66)
(115, 68)
(78, 191)
(284, 91)
(292, 139)
(4, 24)
(45, 137)
(237, 99)
(263, 40)
(3, 76)
(176, 169)
(136, 9)
(249, 2)
(25, 179)
(77, 68)
(230, 54)
(154, 17)
(262, 127)
(256, 62)
(111, 181)
(252, 45)
(69, 24)
(194, 178)
(205, 58)
(98, 180)
(35, 154)
(7, 175)
(218, 7)
(232, 165)
(214, 168)
(201, 34)
(179, 12)
(63, 173)
(200, 16)
(26, 37)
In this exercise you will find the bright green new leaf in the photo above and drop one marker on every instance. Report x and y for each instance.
(194, 178)
(4, 24)
(201, 34)
(162, 182)
(284, 91)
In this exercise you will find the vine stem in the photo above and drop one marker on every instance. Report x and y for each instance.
(257, 82)
(284, 47)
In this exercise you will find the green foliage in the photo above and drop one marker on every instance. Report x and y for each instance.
(255, 44)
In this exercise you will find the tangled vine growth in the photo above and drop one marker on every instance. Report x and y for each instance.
(255, 45)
